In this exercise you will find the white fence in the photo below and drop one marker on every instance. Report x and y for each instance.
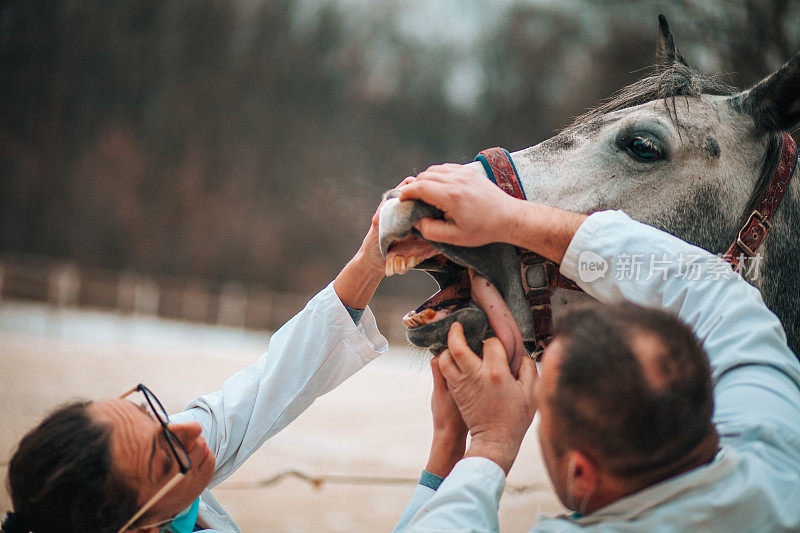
(66, 285)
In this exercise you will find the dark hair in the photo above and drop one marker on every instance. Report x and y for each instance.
(640, 412)
(61, 477)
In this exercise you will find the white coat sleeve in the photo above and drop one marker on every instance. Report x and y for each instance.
(311, 354)
(756, 376)
(466, 501)
(419, 498)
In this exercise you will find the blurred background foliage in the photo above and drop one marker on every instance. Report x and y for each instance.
(250, 140)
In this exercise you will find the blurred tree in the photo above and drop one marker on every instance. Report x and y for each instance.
(251, 140)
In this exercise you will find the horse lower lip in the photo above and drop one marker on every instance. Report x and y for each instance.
(433, 336)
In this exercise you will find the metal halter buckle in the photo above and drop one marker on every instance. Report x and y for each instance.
(535, 279)
(762, 220)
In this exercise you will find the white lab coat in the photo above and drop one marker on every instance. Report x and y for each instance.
(753, 484)
(311, 354)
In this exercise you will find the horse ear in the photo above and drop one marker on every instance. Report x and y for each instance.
(666, 52)
(774, 102)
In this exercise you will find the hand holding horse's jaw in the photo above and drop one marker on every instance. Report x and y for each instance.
(476, 212)
(449, 431)
(496, 407)
(359, 279)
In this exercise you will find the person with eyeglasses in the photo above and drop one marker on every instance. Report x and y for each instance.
(122, 464)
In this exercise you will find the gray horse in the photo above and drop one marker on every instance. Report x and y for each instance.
(678, 150)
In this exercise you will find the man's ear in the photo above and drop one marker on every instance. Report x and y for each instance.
(666, 52)
(774, 102)
(585, 475)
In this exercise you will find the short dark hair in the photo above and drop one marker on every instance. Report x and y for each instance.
(61, 477)
(609, 405)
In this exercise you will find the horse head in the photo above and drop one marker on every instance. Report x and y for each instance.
(678, 150)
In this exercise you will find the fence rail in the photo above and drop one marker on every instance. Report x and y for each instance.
(232, 304)
(319, 481)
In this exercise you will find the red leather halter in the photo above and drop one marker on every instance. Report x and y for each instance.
(754, 231)
(541, 276)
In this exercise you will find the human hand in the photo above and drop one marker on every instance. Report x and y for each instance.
(359, 279)
(476, 212)
(370, 249)
(496, 407)
(449, 430)
(370, 253)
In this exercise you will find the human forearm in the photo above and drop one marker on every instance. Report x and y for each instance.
(655, 269)
(449, 430)
(360, 277)
(357, 281)
(308, 356)
(446, 450)
(540, 228)
(502, 453)
(466, 501)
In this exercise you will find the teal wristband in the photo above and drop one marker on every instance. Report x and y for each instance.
(355, 314)
(432, 481)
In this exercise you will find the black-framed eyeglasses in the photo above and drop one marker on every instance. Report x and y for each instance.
(175, 445)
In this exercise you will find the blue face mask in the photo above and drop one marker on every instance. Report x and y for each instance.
(185, 521)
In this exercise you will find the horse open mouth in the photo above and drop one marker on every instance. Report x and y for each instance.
(429, 323)
(479, 287)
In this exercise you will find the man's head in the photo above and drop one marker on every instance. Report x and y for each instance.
(625, 399)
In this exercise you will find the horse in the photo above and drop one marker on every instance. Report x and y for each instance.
(677, 150)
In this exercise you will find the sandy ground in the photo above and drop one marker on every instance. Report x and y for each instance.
(377, 424)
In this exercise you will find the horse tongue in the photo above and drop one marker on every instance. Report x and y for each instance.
(500, 318)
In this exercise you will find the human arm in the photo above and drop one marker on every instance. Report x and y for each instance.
(477, 212)
(310, 355)
(756, 377)
(360, 277)
(449, 431)
(447, 445)
(498, 409)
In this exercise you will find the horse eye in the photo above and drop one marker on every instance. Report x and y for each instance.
(643, 149)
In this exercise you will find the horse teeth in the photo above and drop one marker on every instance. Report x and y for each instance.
(426, 315)
(410, 321)
(397, 264)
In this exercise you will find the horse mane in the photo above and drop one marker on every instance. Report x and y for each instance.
(669, 82)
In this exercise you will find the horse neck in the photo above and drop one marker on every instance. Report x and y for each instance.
(779, 279)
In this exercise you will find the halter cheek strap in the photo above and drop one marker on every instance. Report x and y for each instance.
(539, 276)
(755, 229)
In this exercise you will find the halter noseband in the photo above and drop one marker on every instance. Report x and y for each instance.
(541, 276)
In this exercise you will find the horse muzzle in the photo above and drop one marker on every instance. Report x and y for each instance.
(428, 325)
